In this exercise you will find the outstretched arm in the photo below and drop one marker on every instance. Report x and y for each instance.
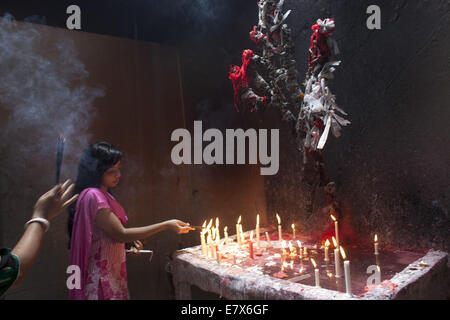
(109, 223)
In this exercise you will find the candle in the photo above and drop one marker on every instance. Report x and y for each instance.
(293, 231)
(225, 232)
(305, 252)
(217, 231)
(337, 260)
(258, 244)
(269, 243)
(250, 245)
(327, 245)
(348, 285)
(202, 238)
(213, 250)
(376, 244)
(316, 272)
(336, 229)
(300, 251)
(280, 234)
(242, 234)
(238, 231)
(210, 245)
(217, 254)
(283, 246)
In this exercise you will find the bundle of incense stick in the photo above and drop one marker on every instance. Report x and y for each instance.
(59, 156)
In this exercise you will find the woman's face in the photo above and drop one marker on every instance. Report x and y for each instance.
(111, 177)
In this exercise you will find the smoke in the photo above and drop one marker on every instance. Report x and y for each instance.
(43, 93)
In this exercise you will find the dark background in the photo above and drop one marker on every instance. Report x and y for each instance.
(392, 163)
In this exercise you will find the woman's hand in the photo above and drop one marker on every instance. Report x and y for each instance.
(54, 201)
(178, 226)
(137, 245)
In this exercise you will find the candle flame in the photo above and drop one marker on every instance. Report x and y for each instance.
(376, 238)
(279, 219)
(378, 267)
(239, 220)
(257, 219)
(291, 248)
(334, 242)
(344, 256)
(334, 219)
(225, 229)
(204, 225)
(314, 263)
(209, 224)
(327, 243)
(217, 223)
(300, 270)
(299, 244)
(293, 226)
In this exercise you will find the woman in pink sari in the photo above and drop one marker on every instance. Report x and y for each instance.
(97, 228)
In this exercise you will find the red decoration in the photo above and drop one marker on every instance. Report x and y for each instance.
(318, 49)
(239, 77)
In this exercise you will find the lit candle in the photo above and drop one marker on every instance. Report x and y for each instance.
(242, 234)
(293, 231)
(225, 232)
(376, 244)
(202, 239)
(269, 243)
(300, 251)
(280, 234)
(348, 285)
(337, 260)
(283, 246)
(258, 244)
(250, 245)
(217, 254)
(327, 245)
(217, 231)
(316, 272)
(336, 229)
(210, 245)
(238, 231)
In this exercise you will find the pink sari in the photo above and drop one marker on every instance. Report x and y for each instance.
(101, 259)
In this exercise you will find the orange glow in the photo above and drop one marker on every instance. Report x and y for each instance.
(279, 219)
(344, 256)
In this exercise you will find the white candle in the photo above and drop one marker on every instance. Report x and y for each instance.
(202, 239)
(242, 234)
(217, 254)
(269, 243)
(376, 244)
(225, 232)
(213, 250)
(258, 245)
(217, 231)
(336, 229)
(238, 231)
(337, 263)
(300, 251)
(280, 233)
(327, 245)
(348, 285)
(293, 231)
(316, 272)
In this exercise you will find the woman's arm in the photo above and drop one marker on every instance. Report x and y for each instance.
(48, 206)
(109, 223)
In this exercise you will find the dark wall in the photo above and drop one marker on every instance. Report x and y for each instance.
(392, 163)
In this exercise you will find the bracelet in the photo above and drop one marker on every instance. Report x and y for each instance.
(45, 222)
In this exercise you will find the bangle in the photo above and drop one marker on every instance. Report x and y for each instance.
(45, 222)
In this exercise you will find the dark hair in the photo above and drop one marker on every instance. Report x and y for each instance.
(95, 160)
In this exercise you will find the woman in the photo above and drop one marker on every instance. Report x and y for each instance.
(96, 227)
